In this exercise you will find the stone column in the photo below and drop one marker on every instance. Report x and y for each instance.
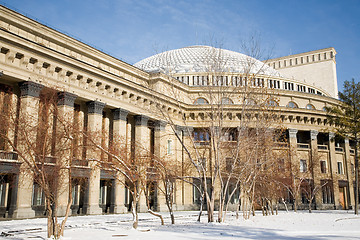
(119, 143)
(315, 161)
(188, 188)
(29, 114)
(349, 174)
(333, 169)
(180, 189)
(295, 164)
(160, 152)
(64, 157)
(142, 142)
(94, 126)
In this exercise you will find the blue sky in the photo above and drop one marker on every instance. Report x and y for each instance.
(132, 30)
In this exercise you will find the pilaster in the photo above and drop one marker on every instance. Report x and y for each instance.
(349, 174)
(295, 164)
(333, 168)
(315, 162)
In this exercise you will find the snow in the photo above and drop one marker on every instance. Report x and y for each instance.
(302, 225)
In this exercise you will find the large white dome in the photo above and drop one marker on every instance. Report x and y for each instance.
(196, 59)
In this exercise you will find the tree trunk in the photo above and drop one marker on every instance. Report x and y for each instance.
(356, 176)
(201, 207)
(156, 215)
(134, 213)
(295, 205)
(171, 212)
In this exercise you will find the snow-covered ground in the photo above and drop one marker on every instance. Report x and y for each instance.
(293, 226)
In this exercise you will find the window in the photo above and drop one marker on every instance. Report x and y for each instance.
(323, 166)
(38, 195)
(169, 146)
(292, 105)
(340, 168)
(303, 166)
(103, 192)
(271, 103)
(230, 135)
(4, 188)
(76, 194)
(250, 102)
(289, 86)
(327, 193)
(301, 88)
(311, 90)
(226, 100)
(200, 135)
(310, 107)
(201, 101)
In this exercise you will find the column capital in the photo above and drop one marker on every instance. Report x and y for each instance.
(292, 132)
(29, 88)
(120, 114)
(160, 125)
(178, 129)
(331, 136)
(95, 107)
(66, 98)
(141, 120)
(188, 130)
(313, 134)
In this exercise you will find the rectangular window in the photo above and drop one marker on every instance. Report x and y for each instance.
(169, 146)
(323, 166)
(303, 166)
(4, 187)
(327, 193)
(76, 194)
(38, 195)
(103, 194)
(340, 168)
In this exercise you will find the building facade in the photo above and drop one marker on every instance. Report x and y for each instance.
(105, 93)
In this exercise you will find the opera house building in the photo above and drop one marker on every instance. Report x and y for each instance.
(162, 103)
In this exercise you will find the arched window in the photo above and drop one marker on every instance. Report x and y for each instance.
(271, 103)
(250, 102)
(310, 107)
(201, 101)
(226, 100)
(292, 105)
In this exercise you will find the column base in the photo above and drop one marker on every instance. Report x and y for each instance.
(164, 208)
(94, 210)
(23, 213)
(62, 210)
(120, 209)
(143, 208)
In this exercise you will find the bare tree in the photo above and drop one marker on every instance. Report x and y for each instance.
(215, 150)
(44, 144)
